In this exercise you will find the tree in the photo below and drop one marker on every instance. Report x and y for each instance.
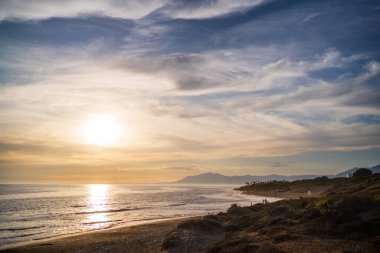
(363, 172)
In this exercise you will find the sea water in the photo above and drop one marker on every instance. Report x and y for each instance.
(35, 212)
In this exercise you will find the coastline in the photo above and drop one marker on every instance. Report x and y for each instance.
(59, 241)
(173, 210)
(137, 235)
(293, 224)
(132, 229)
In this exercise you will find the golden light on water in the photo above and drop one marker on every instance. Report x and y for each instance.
(97, 192)
(98, 198)
(101, 130)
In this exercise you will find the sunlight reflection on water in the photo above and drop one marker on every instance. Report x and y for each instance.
(98, 197)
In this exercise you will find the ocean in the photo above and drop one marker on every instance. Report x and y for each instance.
(36, 212)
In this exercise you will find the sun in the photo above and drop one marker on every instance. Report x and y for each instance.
(101, 130)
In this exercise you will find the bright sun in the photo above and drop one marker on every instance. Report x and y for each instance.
(101, 130)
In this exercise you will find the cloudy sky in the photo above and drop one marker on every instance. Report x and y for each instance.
(235, 87)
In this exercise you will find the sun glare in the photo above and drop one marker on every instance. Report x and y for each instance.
(101, 130)
(98, 198)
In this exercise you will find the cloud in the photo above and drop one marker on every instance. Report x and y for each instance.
(45, 9)
(176, 107)
(365, 119)
(208, 8)
(279, 164)
(189, 72)
(184, 90)
(184, 168)
(310, 17)
(272, 109)
(127, 9)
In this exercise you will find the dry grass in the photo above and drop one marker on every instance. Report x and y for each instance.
(345, 219)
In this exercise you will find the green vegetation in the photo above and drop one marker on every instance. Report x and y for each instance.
(286, 186)
(345, 218)
(324, 207)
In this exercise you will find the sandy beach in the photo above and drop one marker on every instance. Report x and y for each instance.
(147, 237)
(138, 238)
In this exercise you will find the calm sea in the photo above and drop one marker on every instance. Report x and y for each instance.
(35, 212)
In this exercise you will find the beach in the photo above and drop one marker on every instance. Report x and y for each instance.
(139, 238)
(145, 237)
(37, 213)
(335, 221)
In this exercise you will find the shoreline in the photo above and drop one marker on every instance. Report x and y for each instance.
(32, 242)
(294, 223)
(58, 238)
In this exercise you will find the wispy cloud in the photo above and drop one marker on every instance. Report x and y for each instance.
(184, 168)
(188, 80)
(44, 9)
(310, 17)
(279, 164)
(275, 118)
(207, 9)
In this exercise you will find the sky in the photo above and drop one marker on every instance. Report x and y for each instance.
(235, 87)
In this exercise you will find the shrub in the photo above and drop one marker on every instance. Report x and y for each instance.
(237, 210)
(323, 206)
(323, 178)
(362, 173)
(171, 241)
(204, 224)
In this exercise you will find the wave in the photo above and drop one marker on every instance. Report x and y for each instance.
(110, 210)
(178, 204)
(20, 229)
(97, 222)
(75, 206)
(19, 236)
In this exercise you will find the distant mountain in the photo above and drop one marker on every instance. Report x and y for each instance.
(344, 173)
(215, 178)
(206, 178)
(375, 169)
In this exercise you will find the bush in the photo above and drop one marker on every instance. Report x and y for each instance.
(204, 224)
(324, 206)
(362, 173)
(171, 241)
(323, 178)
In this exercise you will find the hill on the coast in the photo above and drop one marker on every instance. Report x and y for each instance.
(216, 178)
(343, 218)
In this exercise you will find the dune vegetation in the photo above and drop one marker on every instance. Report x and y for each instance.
(343, 218)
